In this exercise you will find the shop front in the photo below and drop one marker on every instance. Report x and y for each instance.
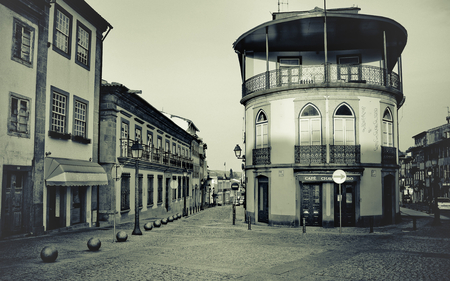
(324, 202)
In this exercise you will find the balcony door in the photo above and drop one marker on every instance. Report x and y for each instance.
(344, 126)
(289, 71)
(310, 126)
(263, 199)
(348, 69)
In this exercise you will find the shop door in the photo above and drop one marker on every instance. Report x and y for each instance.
(12, 205)
(54, 207)
(77, 205)
(348, 205)
(263, 200)
(311, 204)
(387, 199)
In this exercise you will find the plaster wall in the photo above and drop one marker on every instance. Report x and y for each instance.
(371, 195)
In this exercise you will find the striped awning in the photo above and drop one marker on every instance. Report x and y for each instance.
(70, 172)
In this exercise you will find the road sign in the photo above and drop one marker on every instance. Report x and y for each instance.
(339, 176)
(235, 186)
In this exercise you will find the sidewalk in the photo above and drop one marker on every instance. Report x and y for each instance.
(415, 213)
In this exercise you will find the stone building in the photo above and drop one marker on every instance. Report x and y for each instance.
(320, 94)
(172, 166)
(50, 83)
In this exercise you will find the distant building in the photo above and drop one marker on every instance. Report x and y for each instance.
(316, 102)
(172, 167)
(50, 83)
(430, 160)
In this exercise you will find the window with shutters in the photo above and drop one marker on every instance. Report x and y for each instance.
(388, 139)
(150, 179)
(62, 32)
(160, 189)
(125, 192)
(22, 46)
(19, 116)
(262, 134)
(344, 126)
(310, 126)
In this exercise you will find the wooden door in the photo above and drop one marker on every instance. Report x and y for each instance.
(347, 205)
(311, 204)
(263, 200)
(12, 203)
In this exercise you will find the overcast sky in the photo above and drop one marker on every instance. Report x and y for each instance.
(179, 53)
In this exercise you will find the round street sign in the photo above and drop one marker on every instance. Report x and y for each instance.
(339, 176)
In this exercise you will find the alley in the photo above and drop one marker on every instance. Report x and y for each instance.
(207, 246)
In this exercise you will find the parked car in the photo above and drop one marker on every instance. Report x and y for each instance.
(443, 203)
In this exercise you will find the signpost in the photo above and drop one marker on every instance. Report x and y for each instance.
(339, 177)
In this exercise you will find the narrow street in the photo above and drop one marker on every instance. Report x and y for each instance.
(206, 246)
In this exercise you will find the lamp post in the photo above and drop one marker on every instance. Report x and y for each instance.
(136, 152)
(185, 173)
(430, 191)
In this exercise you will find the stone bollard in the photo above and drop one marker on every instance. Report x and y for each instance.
(94, 244)
(49, 254)
(304, 225)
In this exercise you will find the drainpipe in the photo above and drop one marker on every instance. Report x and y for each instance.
(325, 40)
(385, 60)
(267, 59)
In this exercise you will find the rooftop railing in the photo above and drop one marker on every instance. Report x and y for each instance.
(316, 74)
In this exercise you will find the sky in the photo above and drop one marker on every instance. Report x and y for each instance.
(179, 53)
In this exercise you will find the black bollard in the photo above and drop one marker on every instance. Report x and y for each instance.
(234, 214)
(414, 224)
(304, 225)
(249, 221)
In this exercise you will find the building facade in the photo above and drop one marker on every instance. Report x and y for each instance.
(429, 161)
(51, 88)
(320, 95)
(170, 171)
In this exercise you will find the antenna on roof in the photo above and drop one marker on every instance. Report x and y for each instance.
(286, 2)
(448, 115)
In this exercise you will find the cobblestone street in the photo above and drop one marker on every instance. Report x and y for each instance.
(206, 246)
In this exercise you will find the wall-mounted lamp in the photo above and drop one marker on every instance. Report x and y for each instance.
(47, 153)
(238, 151)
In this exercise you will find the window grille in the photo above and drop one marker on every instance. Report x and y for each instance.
(59, 104)
(80, 119)
(83, 46)
(62, 25)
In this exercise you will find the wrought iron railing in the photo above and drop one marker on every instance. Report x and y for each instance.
(389, 155)
(155, 155)
(345, 154)
(315, 74)
(310, 154)
(261, 156)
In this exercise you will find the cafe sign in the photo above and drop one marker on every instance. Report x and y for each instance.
(324, 178)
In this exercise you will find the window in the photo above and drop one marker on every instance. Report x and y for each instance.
(344, 126)
(174, 148)
(62, 30)
(174, 190)
(125, 192)
(150, 190)
(22, 48)
(388, 139)
(289, 70)
(348, 69)
(160, 189)
(19, 116)
(179, 187)
(80, 111)
(262, 135)
(167, 146)
(149, 142)
(83, 43)
(60, 102)
(124, 135)
(310, 126)
(138, 134)
(159, 143)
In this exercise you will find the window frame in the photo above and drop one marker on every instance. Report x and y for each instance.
(87, 66)
(286, 71)
(138, 136)
(76, 100)
(309, 120)
(150, 190)
(259, 138)
(388, 129)
(27, 114)
(55, 31)
(125, 191)
(18, 23)
(345, 123)
(124, 150)
(160, 189)
(58, 91)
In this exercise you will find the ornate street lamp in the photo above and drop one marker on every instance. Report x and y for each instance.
(238, 151)
(136, 152)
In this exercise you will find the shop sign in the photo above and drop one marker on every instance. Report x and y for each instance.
(322, 178)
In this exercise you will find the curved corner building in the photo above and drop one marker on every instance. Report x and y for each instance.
(320, 95)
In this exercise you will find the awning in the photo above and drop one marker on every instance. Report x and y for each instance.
(70, 172)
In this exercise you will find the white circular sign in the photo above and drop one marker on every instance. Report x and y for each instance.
(339, 176)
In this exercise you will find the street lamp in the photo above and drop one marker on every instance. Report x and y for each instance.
(185, 188)
(238, 151)
(136, 152)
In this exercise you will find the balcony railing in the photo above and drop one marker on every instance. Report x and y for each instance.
(310, 154)
(261, 156)
(155, 155)
(389, 155)
(315, 74)
(345, 154)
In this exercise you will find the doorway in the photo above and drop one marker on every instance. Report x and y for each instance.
(388, 187)
(12, 203)
(263, 199)
(311, 205)
(55, 202)
(348, 204)
(167, 193)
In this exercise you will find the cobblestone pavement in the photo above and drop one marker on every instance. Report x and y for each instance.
(206, 246)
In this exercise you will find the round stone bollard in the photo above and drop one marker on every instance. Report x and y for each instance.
(49, 254)
(148, 226)
(164, 221)
(157, 223)
(94, 244)
(170, 219)
(175, 217)
(121, 236)
(179, 215)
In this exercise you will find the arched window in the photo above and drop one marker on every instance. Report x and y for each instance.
(388, 138)
(262, 134)
(310, 126)
(344, 126)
